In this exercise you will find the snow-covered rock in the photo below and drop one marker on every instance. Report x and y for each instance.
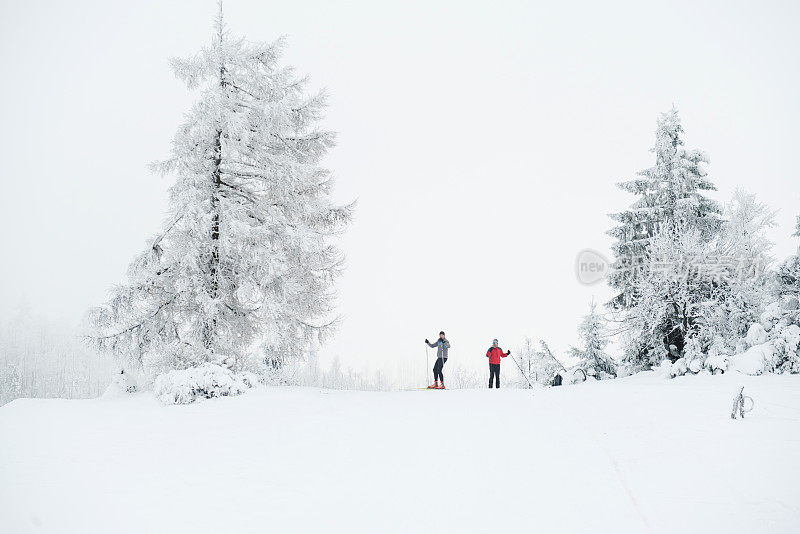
(206, 381)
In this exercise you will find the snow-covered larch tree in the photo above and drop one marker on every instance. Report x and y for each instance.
(670, 193)
(593, 358)
(536, 365)
(526, 362)
(670, 298)
(242, 271)
(744, 254)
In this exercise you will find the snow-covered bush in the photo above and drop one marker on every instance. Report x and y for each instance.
(773, 343)
(785, 339)
(121, 384)
(679, 368)
(756, 360)
(206, 381)
(716, 364)
(459, 377)
(535, 365)
(756, 335)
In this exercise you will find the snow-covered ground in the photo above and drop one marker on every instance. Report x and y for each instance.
(638, 454)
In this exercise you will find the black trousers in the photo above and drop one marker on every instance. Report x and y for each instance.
(437, 369)
(494, 372)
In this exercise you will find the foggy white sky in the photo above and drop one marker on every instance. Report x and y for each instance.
(482, 141)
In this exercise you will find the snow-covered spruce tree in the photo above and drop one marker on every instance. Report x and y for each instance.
(670, 192)
(671, 199)
(242, 271)
(593, 358)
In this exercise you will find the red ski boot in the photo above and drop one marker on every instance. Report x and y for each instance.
(434, 386)
(441, 386)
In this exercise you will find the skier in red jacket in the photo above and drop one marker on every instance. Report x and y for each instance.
(494, 354)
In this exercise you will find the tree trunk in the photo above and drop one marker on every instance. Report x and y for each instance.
(213, 268)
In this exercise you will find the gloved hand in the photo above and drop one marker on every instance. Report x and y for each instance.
(509, 352)
(426, 341)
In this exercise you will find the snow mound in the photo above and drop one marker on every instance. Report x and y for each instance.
(754, 361)
(206, 381)
(576, 375)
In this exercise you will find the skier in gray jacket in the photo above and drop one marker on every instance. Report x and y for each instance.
(442, 346)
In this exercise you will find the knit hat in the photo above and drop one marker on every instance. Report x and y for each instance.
(441, 333)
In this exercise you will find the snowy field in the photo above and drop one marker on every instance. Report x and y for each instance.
(640, 454)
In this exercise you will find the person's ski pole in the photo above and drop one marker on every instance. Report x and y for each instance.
(427, 358)
(522, 372)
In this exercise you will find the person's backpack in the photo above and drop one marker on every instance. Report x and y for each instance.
(557, 379)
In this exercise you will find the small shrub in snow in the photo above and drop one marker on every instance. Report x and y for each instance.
(206, 381)
(664, 369)
(121, 384)
(624, 370)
